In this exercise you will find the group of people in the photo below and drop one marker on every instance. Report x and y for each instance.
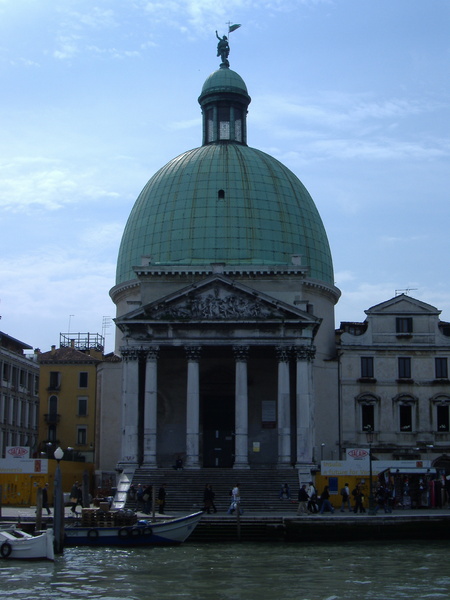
(308, 501)
(143, 498)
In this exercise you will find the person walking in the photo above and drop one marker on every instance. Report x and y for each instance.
(45, 499)
(74, 497)
(147, 499)
(302, 501)
(312, 502)
(235, 500)
(358, 500)
(162, 499)
(139, 497)
(345, 493)
(208, 499)
(325, 500)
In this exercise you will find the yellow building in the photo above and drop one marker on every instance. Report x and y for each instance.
(67, 393)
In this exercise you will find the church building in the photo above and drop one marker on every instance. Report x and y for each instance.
(225, 302)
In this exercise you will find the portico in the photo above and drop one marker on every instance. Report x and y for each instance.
(245, 393)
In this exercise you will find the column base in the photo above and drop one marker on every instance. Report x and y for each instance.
(241, 465)
(305, 471)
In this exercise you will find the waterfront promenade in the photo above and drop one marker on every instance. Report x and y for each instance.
(288, 526)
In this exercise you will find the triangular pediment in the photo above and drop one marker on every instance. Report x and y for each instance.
(218, 298)
(403, 305)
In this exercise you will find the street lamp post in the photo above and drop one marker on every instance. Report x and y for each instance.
(58, 502)
(369, 434)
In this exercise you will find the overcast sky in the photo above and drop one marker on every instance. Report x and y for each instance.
(96, 95)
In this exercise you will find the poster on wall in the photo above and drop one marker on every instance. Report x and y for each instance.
(17, 460)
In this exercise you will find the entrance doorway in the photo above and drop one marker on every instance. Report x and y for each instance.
(218, 431)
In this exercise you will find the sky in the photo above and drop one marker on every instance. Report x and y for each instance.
(97, 95)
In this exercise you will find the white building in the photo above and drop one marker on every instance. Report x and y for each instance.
(19, 400)
(394, 382)
(225, 307)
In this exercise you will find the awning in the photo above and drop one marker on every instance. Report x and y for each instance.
(413, 470)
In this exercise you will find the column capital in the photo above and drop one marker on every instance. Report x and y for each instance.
(307, 353)
(128, 353)
(241, 353)
(283, 353)
(193, 353)
(152, 353)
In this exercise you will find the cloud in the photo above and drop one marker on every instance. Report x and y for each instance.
(38, 182)
(45, 287)
(347, 127)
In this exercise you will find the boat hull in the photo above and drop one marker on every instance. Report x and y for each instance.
(17, 544)
(170, 532)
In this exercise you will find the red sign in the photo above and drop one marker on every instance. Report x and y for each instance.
(37, 466)
(17, 451)
(358, 453)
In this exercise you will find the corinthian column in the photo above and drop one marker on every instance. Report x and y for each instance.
(130, 409)
(151, 406)
(241, 408)
(305, 410)
(192, 407)
(284, 408)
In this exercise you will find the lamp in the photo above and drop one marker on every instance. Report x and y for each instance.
(58, 503)
(370, 436)
(58, 454)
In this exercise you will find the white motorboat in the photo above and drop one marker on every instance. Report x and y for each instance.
(15, 543)
(140, 533)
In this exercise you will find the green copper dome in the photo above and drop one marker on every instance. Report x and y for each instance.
(224, 80)
(225, 202)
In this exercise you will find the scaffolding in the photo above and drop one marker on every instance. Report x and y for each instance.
(82, 341)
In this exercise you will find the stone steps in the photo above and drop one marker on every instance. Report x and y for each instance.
(260, 488)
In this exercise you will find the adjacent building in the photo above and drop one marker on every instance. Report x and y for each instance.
(67, 392)
(19, 400)
(394, 382)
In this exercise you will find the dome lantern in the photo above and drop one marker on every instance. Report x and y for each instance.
(224, 101)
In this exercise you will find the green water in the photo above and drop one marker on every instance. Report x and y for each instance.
(347, 571)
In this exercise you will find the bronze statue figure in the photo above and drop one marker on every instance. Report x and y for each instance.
(223, 49)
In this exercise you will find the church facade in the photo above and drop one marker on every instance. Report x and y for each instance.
(225, 307)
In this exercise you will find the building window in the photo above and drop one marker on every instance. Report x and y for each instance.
(53, 405)
(83, 380)
(52, 433)
(441, 370)
(367, 417)
(367, 367)
(82, 406)
(442, 417)
(55, 380)
(81, 436)
(404, 325)
(405, 417)
(404, 367)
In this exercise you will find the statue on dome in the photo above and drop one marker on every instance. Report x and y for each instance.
(223, 49)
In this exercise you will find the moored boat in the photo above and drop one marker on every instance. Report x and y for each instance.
(140, 533)
(15, 543)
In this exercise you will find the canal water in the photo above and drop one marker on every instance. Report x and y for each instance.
(247, 571)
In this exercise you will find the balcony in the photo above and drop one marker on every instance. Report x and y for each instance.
(52, 418)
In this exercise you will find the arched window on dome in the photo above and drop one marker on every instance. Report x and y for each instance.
(224, 123)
